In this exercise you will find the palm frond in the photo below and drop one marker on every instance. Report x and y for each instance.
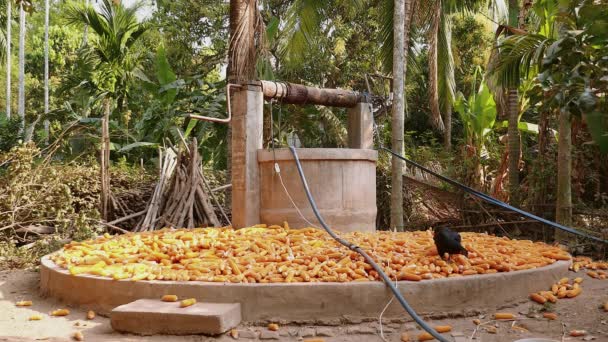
(516, 56)
(386, 36)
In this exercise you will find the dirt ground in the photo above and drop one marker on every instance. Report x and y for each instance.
(581, 313)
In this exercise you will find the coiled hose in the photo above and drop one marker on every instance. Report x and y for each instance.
(367, 258)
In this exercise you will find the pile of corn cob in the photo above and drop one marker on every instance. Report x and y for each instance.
(276, 254)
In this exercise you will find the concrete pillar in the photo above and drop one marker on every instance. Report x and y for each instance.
(360, 126)
(247, 122)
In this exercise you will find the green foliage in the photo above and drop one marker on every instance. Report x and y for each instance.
(575, 66)
(472, 45)
(9, 132)
(63, 196)
(478, 114)
(111, 61)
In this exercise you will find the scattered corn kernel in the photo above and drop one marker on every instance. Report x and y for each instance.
(78, 336)
(443, 328)
(90, 315)
(504, 315)
(24, 303)
(60, 312)
(425, 337)
(187, 302)
(169, 298)
(538, 298)
(234, 334)
(577, 333)
(405, 337)
(550, 315)
(35, 318)
(273, 327)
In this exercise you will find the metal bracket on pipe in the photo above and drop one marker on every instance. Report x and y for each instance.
(228, 107)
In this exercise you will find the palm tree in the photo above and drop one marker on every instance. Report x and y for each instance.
(9, 17)
(46, 68)
(513, 118)
(246, 39)
(520, 56)
(111, 65)
(398, 114)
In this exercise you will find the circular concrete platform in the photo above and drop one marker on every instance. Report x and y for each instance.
(309, 302)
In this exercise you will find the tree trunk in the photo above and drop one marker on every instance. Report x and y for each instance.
(563, 213)
(237, 12)
(21, 93)
(539, 190)
(8, 57)
(105, 159)
(513, 145)
(85, 31)
(397, 122)
(447, 133)
(436, 120)
(513, 118)
(46, 70)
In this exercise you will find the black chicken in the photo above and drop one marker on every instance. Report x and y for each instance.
(448, 241)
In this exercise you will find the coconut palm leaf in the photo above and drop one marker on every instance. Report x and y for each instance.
(386, 37)
(446, 80)
(517, 56)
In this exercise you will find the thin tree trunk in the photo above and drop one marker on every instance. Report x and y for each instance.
(436, 120)
(105, 159)
(9, 20)
(447, 133)
(21, 93)
(46, 70)
(539, 180)
(85, 31)
(513, 145)
(563, 213)
(398, 116)
(513, 118)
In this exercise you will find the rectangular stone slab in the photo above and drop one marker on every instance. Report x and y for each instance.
(153, 316)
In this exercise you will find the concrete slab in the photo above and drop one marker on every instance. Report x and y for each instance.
(303, 302)
(152, 316)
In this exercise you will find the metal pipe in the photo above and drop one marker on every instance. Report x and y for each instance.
(228, 107)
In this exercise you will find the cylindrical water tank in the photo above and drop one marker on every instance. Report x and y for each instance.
(342, 182)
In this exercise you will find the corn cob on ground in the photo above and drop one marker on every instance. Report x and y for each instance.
(280, 254)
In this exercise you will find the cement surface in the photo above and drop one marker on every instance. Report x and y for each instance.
(152, 316)
(303, 302)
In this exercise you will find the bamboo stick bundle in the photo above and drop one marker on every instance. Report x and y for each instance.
(180, 199)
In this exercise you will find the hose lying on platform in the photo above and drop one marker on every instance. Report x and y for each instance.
(358, 249)
(495, 201)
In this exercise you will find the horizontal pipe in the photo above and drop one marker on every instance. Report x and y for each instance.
(292, 93)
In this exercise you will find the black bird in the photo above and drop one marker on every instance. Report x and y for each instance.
(448, 241)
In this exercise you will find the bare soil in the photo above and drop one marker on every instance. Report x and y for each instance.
(580, 313)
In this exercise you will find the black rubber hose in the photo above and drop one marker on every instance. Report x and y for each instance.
(495, 201)
(358, 249)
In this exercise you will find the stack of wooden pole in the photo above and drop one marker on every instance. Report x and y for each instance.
(179, 199)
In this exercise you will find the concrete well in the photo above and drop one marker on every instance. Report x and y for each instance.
(311, 302)
(342, 182)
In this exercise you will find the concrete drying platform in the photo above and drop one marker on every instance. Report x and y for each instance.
(306, 302)
(152, 316)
